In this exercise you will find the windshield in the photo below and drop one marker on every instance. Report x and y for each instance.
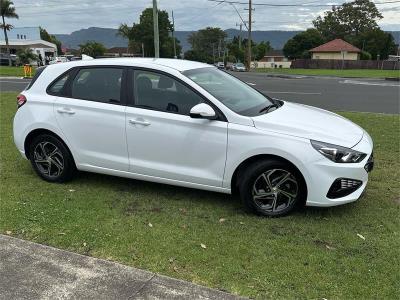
(233, 93)
(240, 65)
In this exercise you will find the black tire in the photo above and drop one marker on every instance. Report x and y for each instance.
(252, 184)
(62, 157)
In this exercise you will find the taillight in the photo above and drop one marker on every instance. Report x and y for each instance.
(21, 100)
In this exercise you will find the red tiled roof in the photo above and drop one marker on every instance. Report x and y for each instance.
(337, 45)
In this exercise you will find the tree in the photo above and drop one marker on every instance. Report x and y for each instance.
(376, 42)
(298, 46)
(207, 43)
(235, 51)
(143, 33)
(26, 56)
(348, 20)
(92, 49)
(44, 35)
(7, 10)
(261, 49)
(127, 32)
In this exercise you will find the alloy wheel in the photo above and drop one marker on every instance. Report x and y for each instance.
(275, 190)
(48, 159)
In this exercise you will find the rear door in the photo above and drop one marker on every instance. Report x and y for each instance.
(90, 109)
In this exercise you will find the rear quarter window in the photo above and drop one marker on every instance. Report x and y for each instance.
(35, 77)
(57, 87)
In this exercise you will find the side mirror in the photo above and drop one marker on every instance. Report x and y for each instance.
(203, 111)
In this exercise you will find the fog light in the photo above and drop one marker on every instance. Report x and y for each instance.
(342, 187)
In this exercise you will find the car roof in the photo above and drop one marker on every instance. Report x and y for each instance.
(177, 64)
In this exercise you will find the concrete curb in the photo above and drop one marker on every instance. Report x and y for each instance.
(298, 76)
(392, 78)
(34, 271)
(14, 77)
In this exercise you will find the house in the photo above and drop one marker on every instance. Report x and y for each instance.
(273, 59)
(120, 52)
(336, 49)
(27, 37)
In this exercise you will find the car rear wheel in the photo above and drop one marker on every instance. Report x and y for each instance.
(51, 159)
(271, 188)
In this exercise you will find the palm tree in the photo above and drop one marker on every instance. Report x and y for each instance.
(7, 10)
(26, 56)
(128, 33)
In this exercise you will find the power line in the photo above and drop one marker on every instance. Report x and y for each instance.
(307, 4)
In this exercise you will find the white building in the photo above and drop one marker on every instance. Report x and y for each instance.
(27, 37)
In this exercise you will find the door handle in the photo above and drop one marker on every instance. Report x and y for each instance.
(140, 122)
(65, 111)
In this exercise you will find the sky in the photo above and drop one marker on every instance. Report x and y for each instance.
(59, 16)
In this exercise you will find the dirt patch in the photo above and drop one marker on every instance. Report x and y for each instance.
(324, 244)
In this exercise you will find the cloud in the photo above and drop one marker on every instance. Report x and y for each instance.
(59, 16)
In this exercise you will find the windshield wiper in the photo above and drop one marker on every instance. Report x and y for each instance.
(268, 107)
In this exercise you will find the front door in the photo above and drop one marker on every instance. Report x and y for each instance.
(164, 141)
(92, 117)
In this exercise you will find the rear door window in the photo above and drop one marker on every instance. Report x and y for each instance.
(98, 84)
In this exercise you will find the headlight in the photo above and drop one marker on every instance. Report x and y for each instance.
(338, 154)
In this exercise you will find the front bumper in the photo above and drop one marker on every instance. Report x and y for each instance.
(325, 173)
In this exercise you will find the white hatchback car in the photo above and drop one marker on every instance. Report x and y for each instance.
(189, 124)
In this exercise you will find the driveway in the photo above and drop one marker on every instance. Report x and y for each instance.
(33, 271)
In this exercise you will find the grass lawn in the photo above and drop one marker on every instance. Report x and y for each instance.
(313, 253)
(339, 73)
(14, 71)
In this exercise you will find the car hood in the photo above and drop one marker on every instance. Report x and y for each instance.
(311, 123)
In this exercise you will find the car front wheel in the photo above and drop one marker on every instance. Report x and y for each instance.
(271, 188)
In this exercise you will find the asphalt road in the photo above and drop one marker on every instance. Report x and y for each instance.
(342, 94)
(13, 85)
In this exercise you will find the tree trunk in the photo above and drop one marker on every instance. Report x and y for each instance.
(6, 38)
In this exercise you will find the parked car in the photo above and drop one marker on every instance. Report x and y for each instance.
(229, 66)
(221, 65)
(58, 59)
(4, 59)
(189, 124)
(239, 67)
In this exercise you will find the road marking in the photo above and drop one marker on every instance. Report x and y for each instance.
(298, 93)
(369, 83)
(250, 83)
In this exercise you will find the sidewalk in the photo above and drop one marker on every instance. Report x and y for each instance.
(33, 271)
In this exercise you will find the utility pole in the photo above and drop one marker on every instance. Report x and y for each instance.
(156, 37)
(240, 35)
(249, 39)
(173, 30)
(213, 44)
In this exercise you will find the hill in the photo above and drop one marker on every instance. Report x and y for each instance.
(109, 38)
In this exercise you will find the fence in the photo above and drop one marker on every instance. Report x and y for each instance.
(344, 64)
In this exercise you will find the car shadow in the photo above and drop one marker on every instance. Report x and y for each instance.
(189, 196)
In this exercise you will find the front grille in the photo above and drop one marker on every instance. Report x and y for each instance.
(369, 166)
(342, 187)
